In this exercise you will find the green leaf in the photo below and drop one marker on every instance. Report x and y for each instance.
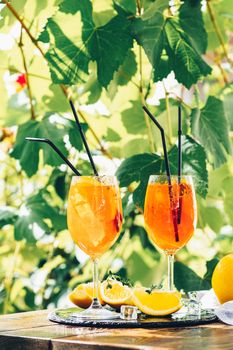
(227, 186)
(102, 43)
(127, 70)
(66, 61)
(141, 232)
(133, 119)
(7, 17)
(112, 136)
(28, 152)
(74, 135)
(127, 5)
(210, 266)
(209, 126)
(31, 224)
(185, 61)
(223, 15)
(148, 30)
(228, 108)
(8, 216)
(191, 21)
(185, 278)
(138, 168)
(57, 179)
(163, 68)
(188, 280)
(193, 163)
(213, 217)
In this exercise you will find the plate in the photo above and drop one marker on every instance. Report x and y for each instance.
(64, 316)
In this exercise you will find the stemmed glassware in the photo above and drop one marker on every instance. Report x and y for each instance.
(170, 215)
(94, 216)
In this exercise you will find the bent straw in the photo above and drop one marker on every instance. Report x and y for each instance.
(167, 170)
(83, 138)
(179, 162)
(51, 144)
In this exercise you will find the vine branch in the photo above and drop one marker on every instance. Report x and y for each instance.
(217, 31)
(20, 45)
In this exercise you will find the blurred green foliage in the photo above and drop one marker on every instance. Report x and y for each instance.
(111, 57)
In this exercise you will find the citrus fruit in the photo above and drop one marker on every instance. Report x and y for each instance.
(82, 295)
(156, 302)
(115, 294)
(222, 279)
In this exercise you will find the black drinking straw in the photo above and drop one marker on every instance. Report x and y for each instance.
(179, 162)
(167, 166)
(51, 144)
(83, 138)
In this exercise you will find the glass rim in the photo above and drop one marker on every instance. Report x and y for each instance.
(103, 179)
(164, 177)
(94, 176)
(172, 175)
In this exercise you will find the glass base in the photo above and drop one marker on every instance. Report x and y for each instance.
(95, 314)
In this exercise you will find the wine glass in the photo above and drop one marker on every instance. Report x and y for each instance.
(94, 217)
(170, 215)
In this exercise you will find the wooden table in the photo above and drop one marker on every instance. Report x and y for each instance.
(32, 330)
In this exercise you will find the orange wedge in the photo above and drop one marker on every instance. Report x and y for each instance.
(82, 295)
(115, 294)
(158, 302)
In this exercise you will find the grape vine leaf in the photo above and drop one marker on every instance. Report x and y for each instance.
(127, 5)
(112, 135)
(228, 107)
(188, 280)
(8, 216)
(185, 278)
(190, 19)
(163, 68)
(31, 223)
(155, 33)
(127, 70)
(28, 152)
(137, 124)
(108, 45)
(209, 126)
(139, 167)
(210, 266)
(213, 217)
(66, 61)
(193, 163)
(227, 186)
(148, 30)
(185, 61)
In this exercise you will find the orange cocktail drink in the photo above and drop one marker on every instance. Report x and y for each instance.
(94, 215)
(159, 216)
(170, 214)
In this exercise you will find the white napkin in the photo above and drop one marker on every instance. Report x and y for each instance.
(225, 312)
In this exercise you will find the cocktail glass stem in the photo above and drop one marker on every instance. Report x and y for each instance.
(170, 272)
(95, 303)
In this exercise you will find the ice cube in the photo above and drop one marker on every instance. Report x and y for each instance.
(225, 312)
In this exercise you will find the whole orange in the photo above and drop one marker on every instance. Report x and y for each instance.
(222, 279)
